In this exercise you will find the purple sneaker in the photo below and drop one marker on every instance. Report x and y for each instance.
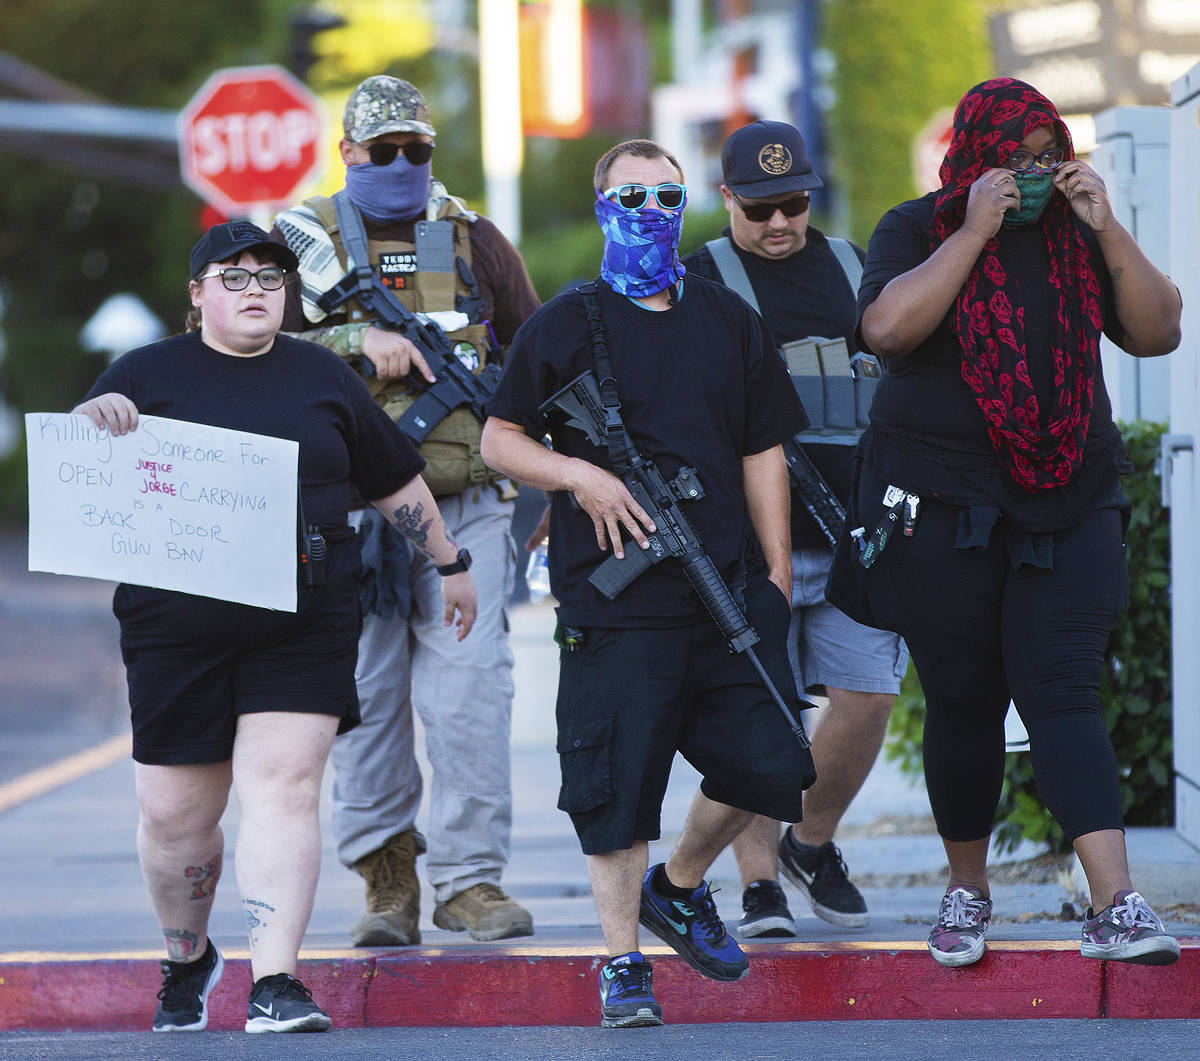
(1128, 931)
(958, 937)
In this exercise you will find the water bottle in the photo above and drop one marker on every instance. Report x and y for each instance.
(537, 574)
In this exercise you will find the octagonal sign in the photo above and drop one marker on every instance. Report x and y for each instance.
(251, 137)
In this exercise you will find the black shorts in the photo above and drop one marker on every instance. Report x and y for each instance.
(194, 664)
(629, 699)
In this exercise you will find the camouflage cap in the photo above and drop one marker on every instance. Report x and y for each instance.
(384, 104)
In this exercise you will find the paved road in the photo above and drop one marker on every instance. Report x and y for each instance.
(1033, 1040)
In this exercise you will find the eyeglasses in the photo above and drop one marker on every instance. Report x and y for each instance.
(270, 278)
(635, 196)
(1023, 161)
(759, 212)
(384, 152)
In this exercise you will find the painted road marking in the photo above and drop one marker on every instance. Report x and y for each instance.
(39, 782)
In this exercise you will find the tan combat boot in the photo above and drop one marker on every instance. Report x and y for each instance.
(393, 894)
(485, 912)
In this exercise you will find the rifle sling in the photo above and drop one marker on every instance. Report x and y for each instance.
(614, 428)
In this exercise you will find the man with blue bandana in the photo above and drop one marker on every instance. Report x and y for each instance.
(647, 673)
(435, 257)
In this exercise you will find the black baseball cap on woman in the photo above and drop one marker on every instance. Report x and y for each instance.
(766, 158)
(232, 237)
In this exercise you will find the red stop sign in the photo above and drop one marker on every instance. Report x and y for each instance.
(250, 137)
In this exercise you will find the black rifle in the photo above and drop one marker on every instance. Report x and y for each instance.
(819, 501)
(580, 401)
(455, 385)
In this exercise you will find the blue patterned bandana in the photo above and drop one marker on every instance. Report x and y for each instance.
(639, 248)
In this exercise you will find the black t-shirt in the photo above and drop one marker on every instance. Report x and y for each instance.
(700, 385)
(806, 295)
(296, 390)
(927, 431)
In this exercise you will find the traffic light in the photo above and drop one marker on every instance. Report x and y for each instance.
(305, 24)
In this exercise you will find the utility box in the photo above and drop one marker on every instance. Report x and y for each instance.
(1132, 157)
(1180, 468)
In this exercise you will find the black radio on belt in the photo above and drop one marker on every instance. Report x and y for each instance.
(312, 557)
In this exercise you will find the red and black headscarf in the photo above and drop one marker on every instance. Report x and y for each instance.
(990, 123)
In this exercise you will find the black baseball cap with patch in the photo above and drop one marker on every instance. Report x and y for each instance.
(232, 237)
(764, 158)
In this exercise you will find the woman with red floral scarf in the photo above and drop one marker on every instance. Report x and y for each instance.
(989, 493)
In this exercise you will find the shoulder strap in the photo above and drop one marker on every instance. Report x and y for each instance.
(614, 427)
(848, 260)
(361, 282)
(733, 272)
(350, 228)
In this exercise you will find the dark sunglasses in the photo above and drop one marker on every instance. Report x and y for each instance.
(793, 207)
(384, 152)
(635, 196)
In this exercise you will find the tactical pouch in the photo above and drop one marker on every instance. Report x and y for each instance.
(451, 451)
(836, 389)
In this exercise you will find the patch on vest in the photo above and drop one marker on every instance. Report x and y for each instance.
(396, 267)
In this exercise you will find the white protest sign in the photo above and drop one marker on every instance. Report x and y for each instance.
(173, 505)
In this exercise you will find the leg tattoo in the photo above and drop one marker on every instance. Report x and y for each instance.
(256, 912)
(181, 944)
(205, 878)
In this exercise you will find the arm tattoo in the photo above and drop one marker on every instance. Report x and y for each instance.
(181, 944)
(205, 878)
(410, 524)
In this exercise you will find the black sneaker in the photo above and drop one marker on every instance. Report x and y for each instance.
(183, 999)
(281, 1003)
(693, 928)
(627, 993)
(820, 874)
(767, 912)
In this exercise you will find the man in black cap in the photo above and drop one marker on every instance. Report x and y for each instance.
(805, 284)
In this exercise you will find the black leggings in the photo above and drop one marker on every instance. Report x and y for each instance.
(981, 633)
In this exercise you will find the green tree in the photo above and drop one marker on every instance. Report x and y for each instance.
(73, 236)
(897, 65)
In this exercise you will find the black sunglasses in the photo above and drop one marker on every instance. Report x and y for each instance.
(384, 152)
(758, 212)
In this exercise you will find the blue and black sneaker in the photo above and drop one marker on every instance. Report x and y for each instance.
(693, 928)
(626, 993)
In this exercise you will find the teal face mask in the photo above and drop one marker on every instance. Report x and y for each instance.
(1035, 189)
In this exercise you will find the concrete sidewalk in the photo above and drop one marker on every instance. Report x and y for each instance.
(79, 946)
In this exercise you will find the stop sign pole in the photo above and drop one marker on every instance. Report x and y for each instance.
(250, 140)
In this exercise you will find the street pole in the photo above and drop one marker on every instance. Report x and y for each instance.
(500, 110)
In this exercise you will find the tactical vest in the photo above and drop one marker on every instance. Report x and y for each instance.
(835, 387)
(451, 451)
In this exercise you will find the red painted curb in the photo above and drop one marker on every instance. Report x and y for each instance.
(517, 986)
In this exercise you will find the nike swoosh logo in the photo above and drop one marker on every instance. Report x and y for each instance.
(678, 926)
(268, 1010)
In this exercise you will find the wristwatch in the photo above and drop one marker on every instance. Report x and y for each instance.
(462, 562)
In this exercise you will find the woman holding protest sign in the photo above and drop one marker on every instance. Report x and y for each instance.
(225, 694)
